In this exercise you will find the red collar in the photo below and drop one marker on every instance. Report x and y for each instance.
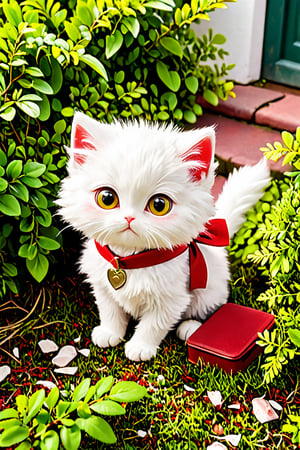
(216, 234)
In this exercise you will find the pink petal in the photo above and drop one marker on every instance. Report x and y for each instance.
(4, 372)
(275, 405)
(67, 370)
(263, 410)
(16, 352)
(215, 397)
(65, 355)
(234, 406)
(85, 352)
(216, 446)
(188, 388)
(233, 439)
(47, 346)
(46, 384)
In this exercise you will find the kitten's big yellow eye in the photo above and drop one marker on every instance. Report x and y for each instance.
(160, 205)
(107, 198)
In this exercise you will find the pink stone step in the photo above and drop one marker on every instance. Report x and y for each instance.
(247, 101)
(283, 114)
(238, 143)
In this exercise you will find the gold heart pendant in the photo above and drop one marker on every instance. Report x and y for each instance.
(117, 278)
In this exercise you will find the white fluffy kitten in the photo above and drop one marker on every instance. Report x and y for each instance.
(138, 186)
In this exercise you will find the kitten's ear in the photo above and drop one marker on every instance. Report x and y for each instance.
(82, 139)
(202, 153)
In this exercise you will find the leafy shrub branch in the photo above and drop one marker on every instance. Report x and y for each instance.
(45, 422)
(272, 232)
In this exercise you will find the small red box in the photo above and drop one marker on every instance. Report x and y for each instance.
(228, 337)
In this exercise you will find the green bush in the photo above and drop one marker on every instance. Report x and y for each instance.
(45, 422)
(108, 58)
(270, 238)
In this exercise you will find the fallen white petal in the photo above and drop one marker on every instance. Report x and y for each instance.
(65, 355)
(46, 384)
(16, 352)
(85, 352)
(275, 405)
(76, 340)
(188, 388)
(215, 397)
(263, 410)
(47, 346)
(67, 370)
(142, 433)
(4, 372)
(160, 378)
(233, 439)
(234, 406)
(216, 446)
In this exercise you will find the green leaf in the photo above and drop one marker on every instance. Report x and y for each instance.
(45, 109)
(218, 39)
(189, 116)
(9, 205)
(34, 405)
(170, 78)
(48, 244)
(50, 441)
(211, 97)
(42, 86)
(20, 191)
(24, 446)
(133, 25)
(13, 13)
(8, 114)
(52, 398)
(57, 78)
(83, 410)
(288, 139)
(113, 44)
(70, 437)
(127, 391)
(172, 45)
(104, 385)
(13, 435)
(81, 390)
(3, 184)
(22, 404)
(29, 108)
(95, 64)
(72, 31)
(8, 413)
(108, 408)
(34, 169)
(294, 335)
(38, 267)
(158, 5)
(99, 429)
(32, 182)
(14, 168)
(192, 84)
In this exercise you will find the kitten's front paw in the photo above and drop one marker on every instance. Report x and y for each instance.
(187, 328)
(103, 337)
(139, 351)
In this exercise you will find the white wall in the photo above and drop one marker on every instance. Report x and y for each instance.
(242, 23)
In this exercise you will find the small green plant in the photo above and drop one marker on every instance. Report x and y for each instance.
(273, 234)
(45, 422)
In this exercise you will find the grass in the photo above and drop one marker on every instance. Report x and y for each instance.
(176, 413)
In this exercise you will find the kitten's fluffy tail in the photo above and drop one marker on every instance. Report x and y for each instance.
(241, 192)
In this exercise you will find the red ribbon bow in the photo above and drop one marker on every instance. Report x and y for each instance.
(216, 234)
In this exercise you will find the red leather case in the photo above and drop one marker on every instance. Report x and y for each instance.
(228, 337)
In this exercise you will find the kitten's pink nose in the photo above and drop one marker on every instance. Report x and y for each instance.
(129, 219)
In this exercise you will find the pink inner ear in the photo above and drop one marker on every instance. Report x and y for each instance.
(82, 140)
(202, 154)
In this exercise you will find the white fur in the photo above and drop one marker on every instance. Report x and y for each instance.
(139, 160)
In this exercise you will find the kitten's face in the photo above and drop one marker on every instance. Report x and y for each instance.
(136, 187)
